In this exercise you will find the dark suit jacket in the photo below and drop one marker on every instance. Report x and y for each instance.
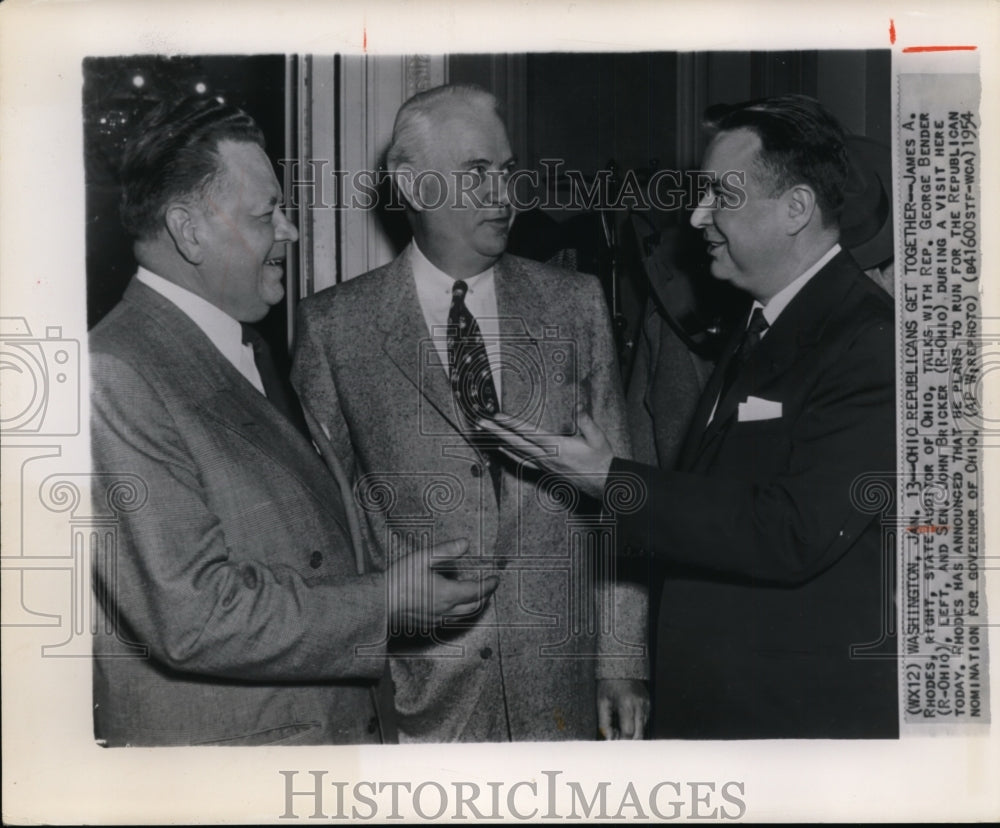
(367, 369)
(234, 564)
(776, 569)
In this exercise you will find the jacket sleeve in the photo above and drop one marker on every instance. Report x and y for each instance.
(791, 525)
(622, 637)
(200, 604)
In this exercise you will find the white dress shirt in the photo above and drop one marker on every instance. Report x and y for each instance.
(224, 331)
(434, 288)
(777, 303)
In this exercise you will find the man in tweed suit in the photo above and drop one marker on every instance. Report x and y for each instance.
(381, 362)
(234, 571)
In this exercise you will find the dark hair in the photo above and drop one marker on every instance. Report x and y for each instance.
(174, 155)
(801, 143)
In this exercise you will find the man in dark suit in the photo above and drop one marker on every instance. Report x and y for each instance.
(234, 569)
(775, 570)
(397, 363)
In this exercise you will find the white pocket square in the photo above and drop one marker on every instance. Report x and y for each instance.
(756, 408)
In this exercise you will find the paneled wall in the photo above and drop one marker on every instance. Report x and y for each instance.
(590, 108)
(640, 110)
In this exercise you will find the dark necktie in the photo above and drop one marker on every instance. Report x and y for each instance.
(276, 388)
(751, 338)
(471, 375)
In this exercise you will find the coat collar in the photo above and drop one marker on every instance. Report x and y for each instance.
(408, 345)
(799, 328)
(407, 341)
(222, 392)
(523, 316)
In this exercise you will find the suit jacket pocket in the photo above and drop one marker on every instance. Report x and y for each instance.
(772, 425)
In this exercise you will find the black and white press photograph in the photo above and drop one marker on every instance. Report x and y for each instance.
(588, 427)
(481, 537)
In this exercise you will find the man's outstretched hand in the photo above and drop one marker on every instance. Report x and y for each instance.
(583, 459)
(421, 597)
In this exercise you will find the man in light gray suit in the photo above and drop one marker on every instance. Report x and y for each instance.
(234, 570)
(396, 364)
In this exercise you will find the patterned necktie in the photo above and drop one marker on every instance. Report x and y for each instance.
(471, 375)
(751, 338)
(278, 390)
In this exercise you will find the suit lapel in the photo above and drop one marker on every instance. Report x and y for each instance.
(772, 356)
(246, 411)
(797, 329)
(544, 364)
(225, 395)
(700, 424)
(521, 306)
(518, 306)
(408, 344)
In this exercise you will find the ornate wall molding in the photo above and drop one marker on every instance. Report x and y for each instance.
(423, 72)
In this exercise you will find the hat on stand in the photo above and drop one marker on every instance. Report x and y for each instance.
(866, 220)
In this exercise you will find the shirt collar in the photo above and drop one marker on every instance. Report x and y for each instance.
(429, 275)
(224, 331)
(777, 303)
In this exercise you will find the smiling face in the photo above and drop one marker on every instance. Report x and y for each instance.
(243, 234)
(464, 228)
(749, 241)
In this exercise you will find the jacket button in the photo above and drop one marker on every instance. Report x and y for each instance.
(372, 724)
(316, 559)
(485, 653)
(476, 470)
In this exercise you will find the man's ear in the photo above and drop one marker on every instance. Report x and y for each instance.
(182, 224)
(800, 203)
(404, 178)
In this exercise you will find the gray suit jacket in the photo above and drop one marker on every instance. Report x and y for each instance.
(237, 573)
(526, 667)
